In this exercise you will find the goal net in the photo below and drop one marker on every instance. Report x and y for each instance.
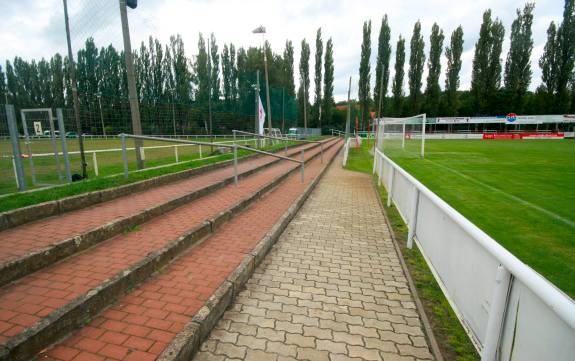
(401, 136)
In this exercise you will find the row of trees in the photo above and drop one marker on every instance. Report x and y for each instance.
(487, 95)
(175, 90)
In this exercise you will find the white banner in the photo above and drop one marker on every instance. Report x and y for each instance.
(262, 117)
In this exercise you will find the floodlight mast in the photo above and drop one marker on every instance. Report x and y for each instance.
(262, 30)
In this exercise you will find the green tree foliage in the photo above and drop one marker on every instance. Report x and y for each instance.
(3, 95)
(397, 86)
(565, 55)
(316, 110)
(227, 71)
(328, 77)
(416, 64)
(518, 65)
(214, 65)
(382, 67)
(303, 92)
(486, 73)
(365, 74)
(453, 54)
(202, 75)
(432, 90)
(288, 68)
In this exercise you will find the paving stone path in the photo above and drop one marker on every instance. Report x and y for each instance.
(331, 289)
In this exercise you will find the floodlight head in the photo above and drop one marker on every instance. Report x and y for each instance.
(259, 30)
(132, 4)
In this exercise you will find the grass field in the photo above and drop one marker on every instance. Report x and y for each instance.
(520, 192)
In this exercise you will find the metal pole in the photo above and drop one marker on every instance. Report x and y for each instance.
(176, 154)
(304, 110)
(423, 137)
(72, 69)
(302, 166)
(210, 96)
(134, 105)
(173, 114)
(348, 120)
(235, 164)
(267, 88)
(125, 155)
(102, 116)
(496, 314)
(28, 147)
(257, 116)
(283, 111)
(403, 135)
(17, 156)
(95, 162)
(60, 117)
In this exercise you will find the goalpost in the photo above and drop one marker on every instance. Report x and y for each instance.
(401, 134)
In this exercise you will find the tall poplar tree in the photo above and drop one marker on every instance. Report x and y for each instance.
(316, 111)
(215, 69)
(365, 74)
(432, 90)
(565, 56)
(201, 75)
(486, 73)
(288, 68)
(382, 67)
(303, 92)
(416, 64)
(453, 54)
(328, 75)
(518, 65)
(397, 86)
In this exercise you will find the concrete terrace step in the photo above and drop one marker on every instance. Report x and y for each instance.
(166, 316)
(32, 246)
(42, 307)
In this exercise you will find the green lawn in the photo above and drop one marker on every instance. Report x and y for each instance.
(520, 192)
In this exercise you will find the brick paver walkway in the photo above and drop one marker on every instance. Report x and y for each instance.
(139, 325)
(331, 289)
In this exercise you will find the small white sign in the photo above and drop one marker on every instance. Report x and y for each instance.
(38, 128)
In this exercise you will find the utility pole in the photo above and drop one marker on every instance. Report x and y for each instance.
(304, 110)
(283, 111)
(72, 70)
(262, 30)
(348, 120)
(257, 112)
(173, 112)
(99, 95)
(134, 106)
(210, 95)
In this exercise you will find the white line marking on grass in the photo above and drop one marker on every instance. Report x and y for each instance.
(518, 199)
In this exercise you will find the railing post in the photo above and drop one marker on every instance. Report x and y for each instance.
(413, 217)
(390, 188)
(124, 155)
(234, 132)
(375, 161)
(302, 165)
(176, 154)
(95, 163)
(496, 314)
(200, 151)
(381, 163)
(235, 164)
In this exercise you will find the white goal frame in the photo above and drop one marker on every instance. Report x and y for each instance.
(380, 132)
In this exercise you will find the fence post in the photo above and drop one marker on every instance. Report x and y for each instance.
(62, 130)
(234, 132)
(235, 164)
(95, 162)
(381, 163)
(17, 159)
(390, 188)
(176, 154)
(375, 161)
(302, 165)
(496, 314)
(413, 217)
(200, 151)
(124, 155)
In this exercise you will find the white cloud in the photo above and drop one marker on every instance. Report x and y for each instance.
(35, 28)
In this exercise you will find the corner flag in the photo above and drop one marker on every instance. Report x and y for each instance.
(262, 117)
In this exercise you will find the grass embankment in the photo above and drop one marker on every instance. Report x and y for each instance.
(18, 200)
(451, 337)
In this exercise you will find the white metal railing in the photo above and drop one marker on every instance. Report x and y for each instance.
(510, 311)
(346, 151)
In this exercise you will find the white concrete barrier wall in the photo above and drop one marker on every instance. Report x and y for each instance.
(523, 317)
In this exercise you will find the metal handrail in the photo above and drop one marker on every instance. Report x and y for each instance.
(233, 146)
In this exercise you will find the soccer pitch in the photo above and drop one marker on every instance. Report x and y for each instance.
(520, 192)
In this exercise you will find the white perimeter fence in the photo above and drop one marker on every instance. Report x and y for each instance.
(510, 311)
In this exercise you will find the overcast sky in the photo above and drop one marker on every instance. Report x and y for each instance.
(35, 28)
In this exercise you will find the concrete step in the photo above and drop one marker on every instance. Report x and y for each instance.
(33, 246)
(167, 316)
(42, 307)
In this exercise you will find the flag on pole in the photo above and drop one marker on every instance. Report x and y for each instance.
(262, 117)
